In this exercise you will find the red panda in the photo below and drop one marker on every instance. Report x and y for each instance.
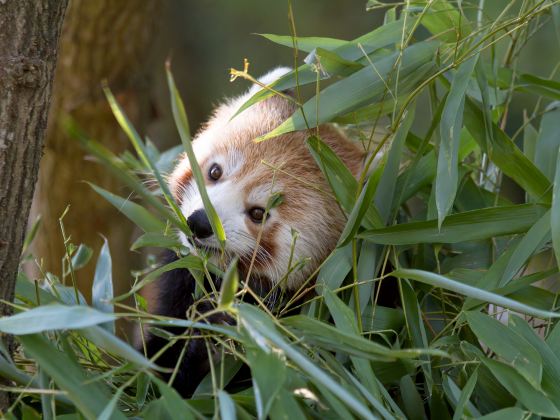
(241, 175)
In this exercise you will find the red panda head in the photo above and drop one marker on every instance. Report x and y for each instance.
(241, 176)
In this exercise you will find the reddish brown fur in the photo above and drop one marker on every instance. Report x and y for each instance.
(308, 204)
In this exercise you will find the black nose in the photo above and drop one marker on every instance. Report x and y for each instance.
(199, 224)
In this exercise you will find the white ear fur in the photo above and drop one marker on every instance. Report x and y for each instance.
(269, 78)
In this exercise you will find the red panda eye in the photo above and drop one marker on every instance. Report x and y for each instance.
(215, 172)
(256, 214)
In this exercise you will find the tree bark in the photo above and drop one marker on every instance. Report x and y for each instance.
(28, 51)
(101, 39)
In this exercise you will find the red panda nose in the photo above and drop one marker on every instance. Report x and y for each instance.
(199, 224)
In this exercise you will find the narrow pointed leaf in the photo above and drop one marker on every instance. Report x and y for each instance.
(135, 212)
(450, 136)
(467, 226)
(438, 280)
(182, 124)
(358, 89)
(53, 317)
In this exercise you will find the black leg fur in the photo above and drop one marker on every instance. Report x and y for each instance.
(175, 297)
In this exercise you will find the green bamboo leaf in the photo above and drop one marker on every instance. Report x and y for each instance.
(111, 343)
(358, 89)
(454, 393)
(135, 212)
(30, 235)
(335, 268)
(285, 407)
(53, 317)
(510, 413)
(465, 396)
(81, 257)
(345, 319)
(182, 124)
(450, 136)
(385, 193)
(341, 181)
(539, 86)
(156, 240)
(227, 406)
(509, 346)
(304, 43)
(530, 136)
(506, 155)
(331, 63)
(444, 21)
(108, 411)
(119, 169)
(136, 141)
(254, 319)
(467, 226)
(551, 362)
(102, 288)
(416, 328)
(339, 177)
(555, 11)
(229, 286)
(412, 401)
(534, 400)
(268, 372)
(363, 202)
(534, 240)
(555, 211)
(190, 262)
(90, 397)
(437, 280)
(548, 143)
(348, 50)
(333, 338)
(176, 407)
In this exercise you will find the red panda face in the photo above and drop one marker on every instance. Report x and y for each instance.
(241, 176)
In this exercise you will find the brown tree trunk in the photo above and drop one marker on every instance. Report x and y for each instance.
(101, 39)
(28, 51)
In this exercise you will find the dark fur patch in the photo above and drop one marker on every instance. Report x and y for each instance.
(176, 297)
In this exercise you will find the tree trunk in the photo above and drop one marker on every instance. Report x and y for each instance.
(28, 51)
(102, 39)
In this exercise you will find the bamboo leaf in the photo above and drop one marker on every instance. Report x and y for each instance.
(437, 280)
(135, 212)
(89, 397)
(385, 193)
(102, 289)
(182, 124)
(358, 89)
(467, 226)
(509, 346)
(347, 50)
(534, 400)
(548, 143)
(256, 320)
(53, 317)
(534, 239)
(555, 211)
(450, 136)
(229, 286)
